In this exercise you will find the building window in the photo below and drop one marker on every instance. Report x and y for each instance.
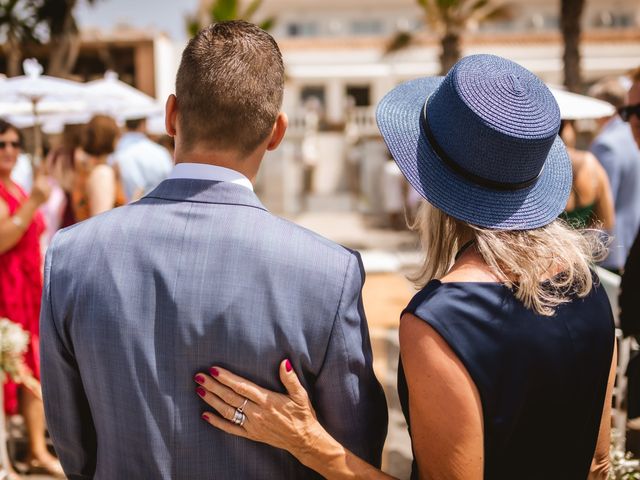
(312, 94)
(360, 95)
(302, 29)
(551, 22)
(610, 19)
(367, 27)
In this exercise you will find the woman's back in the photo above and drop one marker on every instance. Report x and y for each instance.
(541, 380)
(590, 201)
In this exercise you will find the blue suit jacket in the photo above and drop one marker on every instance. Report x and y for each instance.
(139, 299)
(618, 153)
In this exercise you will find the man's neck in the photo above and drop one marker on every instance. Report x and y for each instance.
(221, 159)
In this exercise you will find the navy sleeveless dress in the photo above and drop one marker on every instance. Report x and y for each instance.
(542, 380)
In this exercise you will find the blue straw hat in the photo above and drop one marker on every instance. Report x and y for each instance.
(481, 144)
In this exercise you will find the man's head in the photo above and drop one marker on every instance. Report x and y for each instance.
(632, 108)
(609, 89)
(229, 90)
(100, 136)
(136, 124)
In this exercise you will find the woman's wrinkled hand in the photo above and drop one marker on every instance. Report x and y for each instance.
(284, 421)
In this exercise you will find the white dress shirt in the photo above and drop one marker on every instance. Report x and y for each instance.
(203, 171)
(143, 163)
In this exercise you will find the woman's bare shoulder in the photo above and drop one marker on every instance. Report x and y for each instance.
(102, 171)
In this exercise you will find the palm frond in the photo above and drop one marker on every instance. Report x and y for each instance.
(224, 10)
(193, 26)
(399, 41)
(267, 24)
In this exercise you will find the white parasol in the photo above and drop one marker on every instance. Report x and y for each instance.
(43, 93)
(574, 106)
(114, 97)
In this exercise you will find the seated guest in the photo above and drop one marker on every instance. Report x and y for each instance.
(507, 352)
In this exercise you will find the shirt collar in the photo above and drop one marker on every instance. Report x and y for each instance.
(202, 171)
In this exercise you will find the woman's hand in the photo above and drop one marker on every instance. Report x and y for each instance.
(283, 421)
(41, 188)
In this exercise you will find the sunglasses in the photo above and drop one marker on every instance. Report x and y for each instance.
(628, 111)
(3, 145)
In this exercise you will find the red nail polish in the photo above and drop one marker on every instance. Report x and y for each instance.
(287, 366)
(214, 371)
(201, 391)
(205, 416)
(199, 378)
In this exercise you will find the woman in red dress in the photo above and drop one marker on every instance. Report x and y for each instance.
(21, 225)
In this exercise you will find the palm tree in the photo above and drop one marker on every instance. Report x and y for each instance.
(451, 19)
(18, 26)
(570, 24)
(64, 35)
(224, 10)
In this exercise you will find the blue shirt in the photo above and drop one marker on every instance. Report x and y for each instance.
(618, 153)
(143, 164)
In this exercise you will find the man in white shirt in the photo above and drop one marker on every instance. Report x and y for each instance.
(142, 163)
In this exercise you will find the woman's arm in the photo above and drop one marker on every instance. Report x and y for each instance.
(13, 227)
(604, 208)
(282, 421)
(440, 389)
(101, 189)
(600, 464)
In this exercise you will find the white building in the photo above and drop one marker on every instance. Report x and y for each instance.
(334, 49)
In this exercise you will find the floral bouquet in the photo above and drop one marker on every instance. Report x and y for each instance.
(622, 465)
(14, 341)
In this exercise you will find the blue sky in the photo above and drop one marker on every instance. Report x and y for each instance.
(165, 15)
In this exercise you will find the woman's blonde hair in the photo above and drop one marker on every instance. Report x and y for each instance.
(521, 259)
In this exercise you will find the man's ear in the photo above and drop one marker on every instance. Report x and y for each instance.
(170, 113)
(279, 128)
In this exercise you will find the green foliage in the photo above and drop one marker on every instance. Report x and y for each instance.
(399, 41)
(37, 20)
(18, 20)
(226, 10)
(223, 10)
(456, 15)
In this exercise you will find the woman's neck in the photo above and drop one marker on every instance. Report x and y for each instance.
(98, 159)
(5, 179)
(470, 267)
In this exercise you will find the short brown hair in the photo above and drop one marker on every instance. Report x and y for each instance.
(100, 135)
(635, 75)
(229, 87)
(609, 89)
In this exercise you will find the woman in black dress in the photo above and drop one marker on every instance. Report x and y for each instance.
(507, 351)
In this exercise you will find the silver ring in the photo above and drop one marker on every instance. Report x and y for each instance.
(238, 418)
(242, 407)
